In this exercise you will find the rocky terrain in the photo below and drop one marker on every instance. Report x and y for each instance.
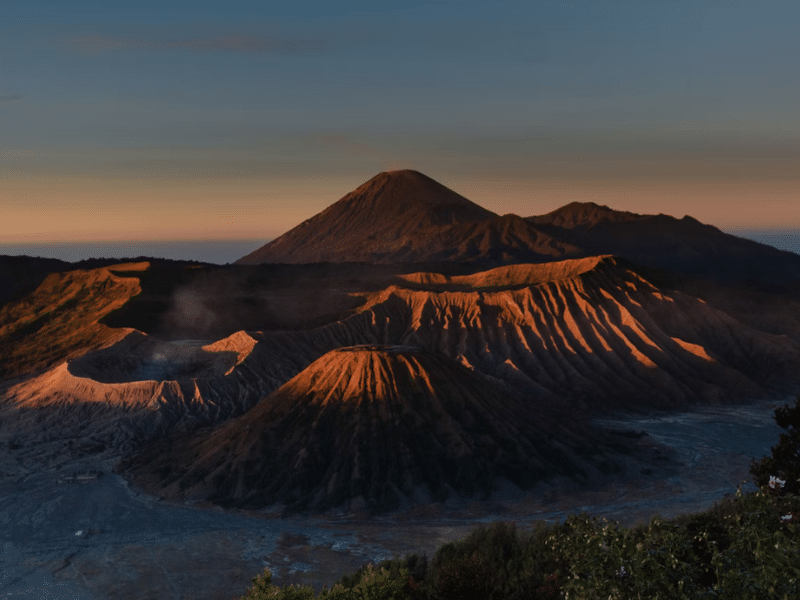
(135, 546)
(377, 427)
(441, 355)
(590, 334)
(582, 335)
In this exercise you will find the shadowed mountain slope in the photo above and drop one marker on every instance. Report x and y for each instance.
(387, 216)
(585, 334)
(377, 427)
(499, 240)
(59, 319)
(592, 332)
(684, 245)
(584, 215)
(19, 274)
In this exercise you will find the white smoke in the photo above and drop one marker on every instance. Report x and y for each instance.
(190, 313)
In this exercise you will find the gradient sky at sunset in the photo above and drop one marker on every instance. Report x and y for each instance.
(195, 120)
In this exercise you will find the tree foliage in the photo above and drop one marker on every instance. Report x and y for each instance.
(784, 462)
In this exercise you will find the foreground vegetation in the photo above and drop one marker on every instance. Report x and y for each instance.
(745, 547)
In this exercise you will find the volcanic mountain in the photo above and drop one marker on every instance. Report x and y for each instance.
(590, 333)
(406, 217)
(377, 427)
(123, 355)
(68, 381)
(586, 335)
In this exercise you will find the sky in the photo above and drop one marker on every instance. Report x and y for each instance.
(176, 120)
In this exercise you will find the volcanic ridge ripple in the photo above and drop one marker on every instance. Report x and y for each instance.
(375, 427)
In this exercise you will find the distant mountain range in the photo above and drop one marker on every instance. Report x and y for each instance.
(407, 217)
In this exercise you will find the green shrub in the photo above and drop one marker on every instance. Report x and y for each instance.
(763, 557)
(263, 589)
(414, 566)
(373, 584)
(494, 562)
(600, 559)
(465, 578)
(784, 462)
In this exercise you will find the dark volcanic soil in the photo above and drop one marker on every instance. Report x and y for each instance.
(133, 546)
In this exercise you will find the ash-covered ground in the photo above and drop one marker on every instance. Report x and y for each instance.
(133, 546)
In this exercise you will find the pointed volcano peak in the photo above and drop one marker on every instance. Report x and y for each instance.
(383, 219)
(387, 375)
(404, 177)
(409, 178)
(583, 214)
(407, 197)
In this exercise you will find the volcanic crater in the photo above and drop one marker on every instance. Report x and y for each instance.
(140, 358)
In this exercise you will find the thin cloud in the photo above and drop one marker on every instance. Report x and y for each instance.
(229, 195)
(185, 168)
(10, 97)
(8, 154)
(240, 43)
(346, 143)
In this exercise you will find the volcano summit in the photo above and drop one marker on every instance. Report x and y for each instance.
(407, 217)
(393, 214)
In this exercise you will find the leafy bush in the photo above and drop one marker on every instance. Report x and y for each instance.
(785, 460)
(747, 547)
(372, 584)
(464, 578)
(411, 567)
(494, 562)
(763, 556)
(263, 589)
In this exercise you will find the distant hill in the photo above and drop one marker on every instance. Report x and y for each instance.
(23, 273)
(583, 215)
(407, 217)
(684, 245)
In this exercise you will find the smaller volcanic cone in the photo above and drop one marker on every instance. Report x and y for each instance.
(376, 425)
